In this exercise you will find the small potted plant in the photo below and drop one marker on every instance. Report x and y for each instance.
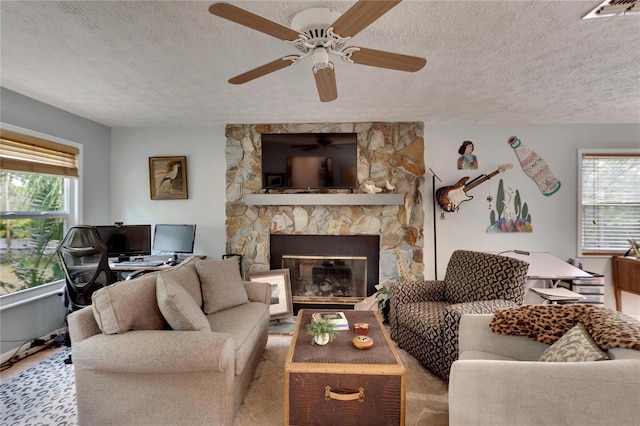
(321, 331)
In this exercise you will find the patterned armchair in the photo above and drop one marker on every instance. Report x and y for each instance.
(424, 315)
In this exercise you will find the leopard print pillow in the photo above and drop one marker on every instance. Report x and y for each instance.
(547, 323)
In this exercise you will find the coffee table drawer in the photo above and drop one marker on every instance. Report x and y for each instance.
(336, 399)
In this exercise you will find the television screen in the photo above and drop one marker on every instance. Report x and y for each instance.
(309, 160)
(126, 240)
(169, 238)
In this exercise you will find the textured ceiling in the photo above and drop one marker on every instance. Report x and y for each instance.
(166, 63)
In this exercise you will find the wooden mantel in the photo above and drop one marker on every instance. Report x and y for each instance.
(324, 199)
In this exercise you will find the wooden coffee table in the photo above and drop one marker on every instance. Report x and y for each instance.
(340, 384)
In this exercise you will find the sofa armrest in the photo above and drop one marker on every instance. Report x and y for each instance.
(82, 325)
(258, 291)
(416, 291)
(156, 351)
(475, 335)
(497, 393)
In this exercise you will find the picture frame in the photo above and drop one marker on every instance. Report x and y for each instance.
(280, 281)
(168, 178)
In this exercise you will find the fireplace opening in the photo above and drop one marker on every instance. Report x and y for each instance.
(327, 279)
(331, 253)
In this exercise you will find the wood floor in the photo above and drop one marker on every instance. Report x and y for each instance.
(27, 362)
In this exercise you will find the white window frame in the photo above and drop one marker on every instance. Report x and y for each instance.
(73, 215)
(581, 153)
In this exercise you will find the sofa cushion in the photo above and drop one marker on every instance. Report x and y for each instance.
(247, 324)
(546, 323)
(222, 286)
(128, 305)
(178, 307)
(574, 346)
(186, 275)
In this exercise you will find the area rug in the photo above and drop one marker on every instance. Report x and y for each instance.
(283, 326)
(45, 393)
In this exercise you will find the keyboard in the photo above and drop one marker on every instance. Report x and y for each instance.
(140, 263)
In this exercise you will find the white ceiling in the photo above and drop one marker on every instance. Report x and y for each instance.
(166, 63)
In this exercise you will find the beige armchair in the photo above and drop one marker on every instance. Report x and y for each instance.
(424, 315)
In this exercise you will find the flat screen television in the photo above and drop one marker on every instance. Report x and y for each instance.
(309, 160)
(126, 240)
(174, 239)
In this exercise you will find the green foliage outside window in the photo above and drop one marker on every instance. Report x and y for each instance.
(34, 262)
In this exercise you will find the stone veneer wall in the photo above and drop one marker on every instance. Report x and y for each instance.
(393, 151)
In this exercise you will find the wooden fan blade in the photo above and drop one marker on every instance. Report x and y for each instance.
(262, 70)
(248, 19)
(382, 59)
(361, 15)
(326, 84)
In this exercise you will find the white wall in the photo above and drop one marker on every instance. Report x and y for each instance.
(206, 165)
(553, 217)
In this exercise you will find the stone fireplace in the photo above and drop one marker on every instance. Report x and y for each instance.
(256, 220)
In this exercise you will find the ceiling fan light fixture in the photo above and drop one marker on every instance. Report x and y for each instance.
(321, 59)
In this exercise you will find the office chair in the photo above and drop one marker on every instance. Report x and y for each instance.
(85, 262)
(83, 257)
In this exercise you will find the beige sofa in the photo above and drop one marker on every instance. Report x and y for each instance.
(176, 347)
(498, 380)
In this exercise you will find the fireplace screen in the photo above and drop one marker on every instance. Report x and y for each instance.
(328, 279)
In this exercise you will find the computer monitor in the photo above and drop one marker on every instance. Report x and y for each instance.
(125, 241)
(174, 239)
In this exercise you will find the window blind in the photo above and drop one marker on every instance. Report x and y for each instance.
(22, 153)
(610, 202)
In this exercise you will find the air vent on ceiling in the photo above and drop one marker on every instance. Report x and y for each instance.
(615, 8)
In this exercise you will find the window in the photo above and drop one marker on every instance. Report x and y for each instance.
(38, 195)
(609, 191)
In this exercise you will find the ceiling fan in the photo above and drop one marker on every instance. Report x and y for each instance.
(319, 32)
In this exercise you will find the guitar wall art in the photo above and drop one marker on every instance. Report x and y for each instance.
(450, 197)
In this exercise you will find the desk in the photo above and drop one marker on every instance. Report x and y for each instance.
(626, 277)
(119, 269)
(551, 269)
(128, 272)
(115, 267)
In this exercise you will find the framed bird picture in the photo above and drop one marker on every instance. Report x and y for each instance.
(168, 178)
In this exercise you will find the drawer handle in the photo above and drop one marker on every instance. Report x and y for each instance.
(343, 396)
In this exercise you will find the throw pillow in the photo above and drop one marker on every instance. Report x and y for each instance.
(222, 286)
(128, 305)
(186, 275)
(574, 346)
(178, 307)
